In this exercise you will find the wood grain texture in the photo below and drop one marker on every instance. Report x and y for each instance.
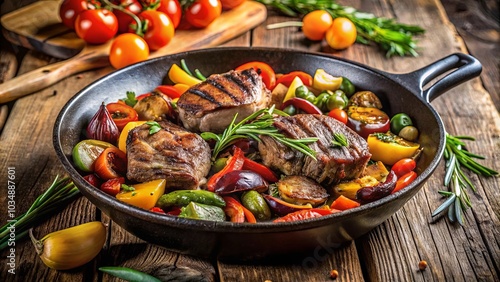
(391, 252)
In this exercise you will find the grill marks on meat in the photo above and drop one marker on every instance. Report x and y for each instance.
(332, 164)
(212, 104)
(173, 153)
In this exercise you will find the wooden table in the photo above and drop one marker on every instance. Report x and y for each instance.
(391, 252)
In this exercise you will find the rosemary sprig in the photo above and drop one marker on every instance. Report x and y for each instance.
(258, 123)
(339, 140)
(393, 37)
(457, 157)
(55, 198)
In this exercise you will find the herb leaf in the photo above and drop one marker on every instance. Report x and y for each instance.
(130, 100)
(153, 127)
(339, 140)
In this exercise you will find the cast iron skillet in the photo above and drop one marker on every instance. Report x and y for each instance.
(398, 92)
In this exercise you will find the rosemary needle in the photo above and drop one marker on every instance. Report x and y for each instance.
(457, 158)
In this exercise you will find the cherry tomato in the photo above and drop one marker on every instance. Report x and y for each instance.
(339, 115)
(316, 23)
(127, 49)
(341, 34)
(203, 12)
(159, 29)
(404, 181)
(93, 180)
(111, 163)
(124, 20)
(265, 71)
(69, 10)
(96, 26)
(122, 114)
(230, 4)
(287, 79)
(404, 166)
(173, 10)
(113, 186)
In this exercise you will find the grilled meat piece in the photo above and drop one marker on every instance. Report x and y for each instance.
(212, 104)
(332, 164)
(173, 153)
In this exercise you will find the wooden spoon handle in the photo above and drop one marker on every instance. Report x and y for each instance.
(41, 78)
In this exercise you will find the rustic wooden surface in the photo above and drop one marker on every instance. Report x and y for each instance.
(391, 252)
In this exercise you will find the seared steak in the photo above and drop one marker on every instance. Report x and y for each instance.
(212, 104)
(173, 153)
(332, 164)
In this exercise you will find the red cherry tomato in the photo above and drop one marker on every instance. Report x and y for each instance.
(339, 115)
(96, 26)
(127, 49)
(124, 20)
(111, 163)
(173, 10)
(122, 114)
(113, 186)
(404, 166)
(287, 79)
(93, 180)
(203, 12)
(231, 4)
(159, 29)
(265, 71)
(69, 10)
(404, 181)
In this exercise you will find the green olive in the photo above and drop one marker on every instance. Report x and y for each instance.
(255, 203)
(409, 133)
(399, 121)
(347, 87)
(290, 110)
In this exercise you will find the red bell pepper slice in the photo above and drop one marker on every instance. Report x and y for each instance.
(235, 163)
(287, 79)
(304, 214)
(302, 104)
(157, 210)
(343, 203)
(234, 209)
(261, 169)
(122, 114)
(404, 181)
(265, 71)
(169, 90)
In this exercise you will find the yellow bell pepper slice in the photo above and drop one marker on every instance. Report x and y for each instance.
(181, 87)
(290, 93)
(122, 139)
(389, 148)
(145, 195)
(178, 75)
(325, 81)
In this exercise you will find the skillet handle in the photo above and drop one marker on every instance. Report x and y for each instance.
(454, 69)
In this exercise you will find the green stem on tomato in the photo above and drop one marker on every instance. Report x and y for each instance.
(139, 29)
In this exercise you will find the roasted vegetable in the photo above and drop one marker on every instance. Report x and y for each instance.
(366, 121)
(71, 247)
(184, 197)
(389, 148)
(256, 204)
(281, 207)
(143, 195)
(204, 212)
(365, 99)
(301, 190)
(343, 203)
(102, 127)
(154, 107)
(399, 121)
(122, 140)
(325, 81)
(370, 194)
(86, 152)
(239, 181)
(372, 176)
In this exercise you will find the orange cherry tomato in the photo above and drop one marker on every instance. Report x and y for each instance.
(122, 114)
(96, 26)
(173, 10)
(231, 4)
(315, 24)
(111, 163)
(203, 12)
(404, 166)
(339, 115)
(159, 30)
(127, 49)
(265, 71)
(342, 34)
(286, 79)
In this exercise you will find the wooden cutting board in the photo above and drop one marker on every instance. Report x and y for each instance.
(38, 26)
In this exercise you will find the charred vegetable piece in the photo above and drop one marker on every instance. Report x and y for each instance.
(202, 212)
(366, 121)
(102, 127)
(343, 203)
(372, 176)
(184, 197)
(301, 190)
(370, 194)
(304, 214)
(87, 151)
(389, 148)
(234, 209)
(111, 163)
(235, 163)
(256, 203)
(366, 99)
(280, 207)
(240, 180)
(143, 195)
(153, 107)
